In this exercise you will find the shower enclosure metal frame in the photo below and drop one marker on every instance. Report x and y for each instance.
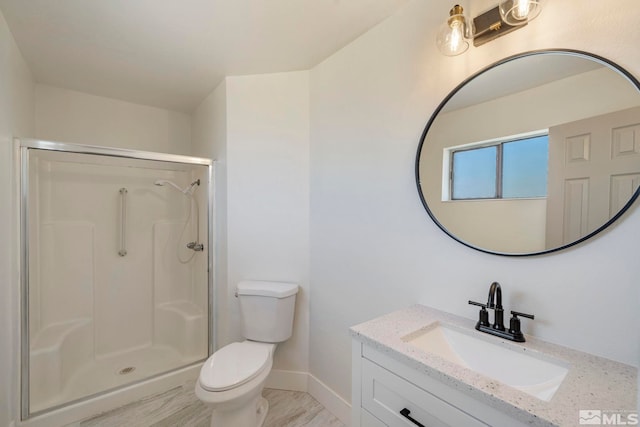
(22, 148)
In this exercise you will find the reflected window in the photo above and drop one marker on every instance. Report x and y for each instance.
(511, 169)
(475, 173)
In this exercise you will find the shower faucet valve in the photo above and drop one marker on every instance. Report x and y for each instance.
(198, 247)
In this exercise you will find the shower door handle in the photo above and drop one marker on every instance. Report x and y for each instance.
(123, 222)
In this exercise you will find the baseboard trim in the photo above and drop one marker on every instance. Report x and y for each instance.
(331, 400)
(304, 381)
(287, 380)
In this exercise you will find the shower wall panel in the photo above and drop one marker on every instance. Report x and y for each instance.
(172, 278)
(67, 254)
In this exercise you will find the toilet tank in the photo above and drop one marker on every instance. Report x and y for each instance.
(266, 310)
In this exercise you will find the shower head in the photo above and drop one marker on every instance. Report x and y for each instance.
(193, 185)
(163, 182)
(188, 190)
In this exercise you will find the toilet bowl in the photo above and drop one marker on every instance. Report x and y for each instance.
(232, 379)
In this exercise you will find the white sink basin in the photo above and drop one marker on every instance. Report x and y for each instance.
(532, 373)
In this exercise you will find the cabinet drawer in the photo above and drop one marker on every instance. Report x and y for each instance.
(368, 420)
(385, 394)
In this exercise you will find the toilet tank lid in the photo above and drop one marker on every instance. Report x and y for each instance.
(267, 289)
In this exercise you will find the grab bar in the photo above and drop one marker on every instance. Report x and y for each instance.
(123, 222)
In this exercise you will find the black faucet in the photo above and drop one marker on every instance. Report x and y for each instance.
(494, 302)
(498, 312)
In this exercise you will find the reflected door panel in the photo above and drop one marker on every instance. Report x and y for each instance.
(593, 166)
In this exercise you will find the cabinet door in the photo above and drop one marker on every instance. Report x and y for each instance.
(385, 395)
(368, 420)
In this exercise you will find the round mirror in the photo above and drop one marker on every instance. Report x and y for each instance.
(535, 153)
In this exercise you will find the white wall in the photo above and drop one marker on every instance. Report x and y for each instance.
(69, 116)
(209, 133)
(374, 249)
(16, 119)
(268, 196)
(257, 130)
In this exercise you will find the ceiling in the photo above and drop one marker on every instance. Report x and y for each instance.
(172, 53)
(516, 76)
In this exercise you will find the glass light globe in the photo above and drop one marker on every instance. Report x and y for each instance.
(451, 39)
(519, 12)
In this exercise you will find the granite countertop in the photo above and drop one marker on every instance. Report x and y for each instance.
(592, 382)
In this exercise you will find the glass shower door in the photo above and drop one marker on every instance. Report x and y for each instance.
(116, 286)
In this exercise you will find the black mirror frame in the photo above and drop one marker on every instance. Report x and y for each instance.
(591, 56)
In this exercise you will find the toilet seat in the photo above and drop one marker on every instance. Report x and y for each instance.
(233, 365)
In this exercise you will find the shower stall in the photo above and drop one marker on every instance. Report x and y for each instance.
(116, 269)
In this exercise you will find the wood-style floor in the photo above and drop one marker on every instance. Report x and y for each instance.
(180, 407)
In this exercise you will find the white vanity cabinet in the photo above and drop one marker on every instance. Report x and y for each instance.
(383, 388)
(396, 376)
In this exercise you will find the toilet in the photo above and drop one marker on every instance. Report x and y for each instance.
(232, 379)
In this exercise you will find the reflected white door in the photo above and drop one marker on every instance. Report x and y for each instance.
(593, 171)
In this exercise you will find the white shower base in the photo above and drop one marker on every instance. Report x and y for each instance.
(109, 372)
(71, 414)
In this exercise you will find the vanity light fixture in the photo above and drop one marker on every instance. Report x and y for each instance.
(508, 15)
